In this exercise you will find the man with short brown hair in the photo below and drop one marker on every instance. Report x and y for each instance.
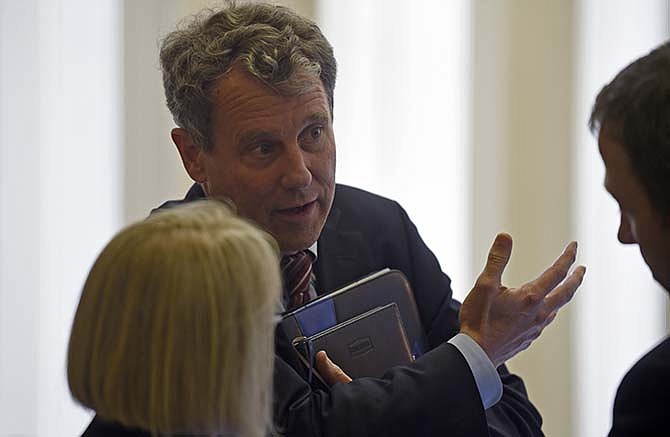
(631, 116)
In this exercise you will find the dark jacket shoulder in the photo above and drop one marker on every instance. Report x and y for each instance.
(366, 212)
(354, 199)
(194, 193)
(643, 397)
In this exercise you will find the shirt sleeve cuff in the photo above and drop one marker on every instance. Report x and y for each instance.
(486, 377)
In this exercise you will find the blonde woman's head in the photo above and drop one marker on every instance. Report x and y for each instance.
(174, 329)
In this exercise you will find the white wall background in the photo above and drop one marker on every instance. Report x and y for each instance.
(60, 191)
(402, 113)
(522, 125)
(471, 113)
(620, 313)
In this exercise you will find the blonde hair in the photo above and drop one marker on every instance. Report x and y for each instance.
(174, 329)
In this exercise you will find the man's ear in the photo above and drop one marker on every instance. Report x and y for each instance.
(191, 155)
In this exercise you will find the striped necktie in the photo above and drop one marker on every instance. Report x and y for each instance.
(297, 271)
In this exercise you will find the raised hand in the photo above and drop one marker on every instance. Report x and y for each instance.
(504, 321)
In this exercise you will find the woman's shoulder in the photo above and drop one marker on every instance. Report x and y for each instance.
(103, 428)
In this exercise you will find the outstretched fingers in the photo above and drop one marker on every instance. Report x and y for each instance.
(564, 292)
(557, 272)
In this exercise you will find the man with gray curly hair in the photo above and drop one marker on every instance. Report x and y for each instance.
(250, 87)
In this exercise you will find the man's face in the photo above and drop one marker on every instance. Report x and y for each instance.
(640, 224)
(273, 156)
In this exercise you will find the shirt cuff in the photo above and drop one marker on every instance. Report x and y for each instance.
(486, 377)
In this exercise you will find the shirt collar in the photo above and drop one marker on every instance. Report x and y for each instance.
(313, 251)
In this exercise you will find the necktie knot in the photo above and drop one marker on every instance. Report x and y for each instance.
(297, 271)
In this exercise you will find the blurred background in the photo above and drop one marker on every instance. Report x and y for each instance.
(472, 114)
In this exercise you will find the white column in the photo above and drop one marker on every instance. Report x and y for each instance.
(19, 216)
(61, 178)
(152, 169)
(522, 168)
(620, 312)
(402, 113)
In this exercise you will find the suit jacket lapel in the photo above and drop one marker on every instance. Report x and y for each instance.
(342, 255)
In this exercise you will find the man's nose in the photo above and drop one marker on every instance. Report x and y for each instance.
(296, 173)
(625, 234)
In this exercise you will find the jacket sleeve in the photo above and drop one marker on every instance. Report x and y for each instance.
(435, 395)
(514, 414)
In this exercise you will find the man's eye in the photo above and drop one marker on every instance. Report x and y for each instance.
(316, 132)
(264, 149)
(312, 137)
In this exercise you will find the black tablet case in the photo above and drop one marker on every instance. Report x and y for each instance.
(369, 293)
(365, 345)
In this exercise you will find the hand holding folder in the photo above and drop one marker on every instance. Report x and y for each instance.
(331, 372)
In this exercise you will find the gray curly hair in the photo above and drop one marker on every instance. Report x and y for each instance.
(271, 42)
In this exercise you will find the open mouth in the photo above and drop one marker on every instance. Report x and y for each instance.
(300, 210)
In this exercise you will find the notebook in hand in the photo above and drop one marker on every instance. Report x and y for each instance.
(375, 290)
(365, 345)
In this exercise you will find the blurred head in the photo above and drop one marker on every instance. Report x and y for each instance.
(251, 89)
(632, 118)
(175, 326)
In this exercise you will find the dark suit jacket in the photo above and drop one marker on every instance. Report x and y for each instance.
(103, 428)
(437, 394)
(642, 403)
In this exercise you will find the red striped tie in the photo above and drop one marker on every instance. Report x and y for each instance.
(297, 271)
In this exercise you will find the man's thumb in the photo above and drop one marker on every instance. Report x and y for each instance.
(499, 255)
(330, 371)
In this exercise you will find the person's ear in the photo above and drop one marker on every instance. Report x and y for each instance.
(192, 156)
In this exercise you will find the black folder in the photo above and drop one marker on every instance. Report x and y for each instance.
(373, 292)
(365, 345)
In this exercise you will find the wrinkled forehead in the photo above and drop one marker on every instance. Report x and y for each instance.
(239, 89)
(245, 108)
(300, 81)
